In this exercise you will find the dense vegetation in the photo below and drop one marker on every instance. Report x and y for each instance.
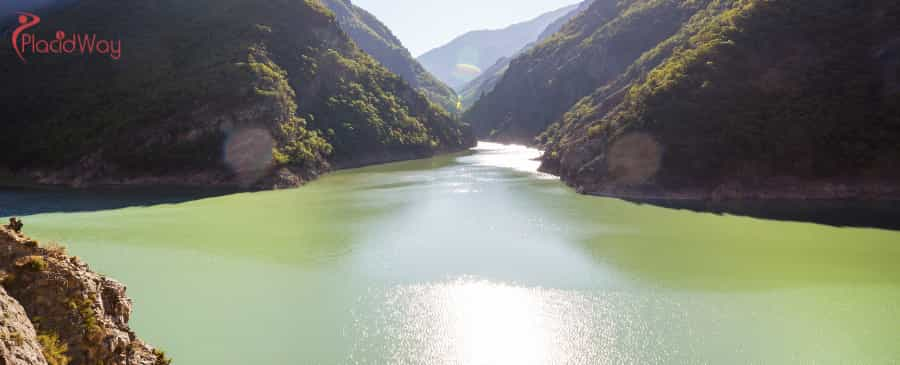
(590, 51)
(377, 40)
(217, 68)
(465, 57)
(669, 96)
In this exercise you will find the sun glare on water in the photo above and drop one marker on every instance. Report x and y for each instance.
(516, 157)
(477, 322)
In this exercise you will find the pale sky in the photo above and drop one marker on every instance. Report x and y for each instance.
(425, 24)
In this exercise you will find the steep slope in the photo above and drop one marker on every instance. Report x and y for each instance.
(592, 50)
(771, 99)
(485, 82)
(558, 24)
(464, 58)
(377, 40)
(74, 315)
(253, 93)
(716, 98)
(473, 90)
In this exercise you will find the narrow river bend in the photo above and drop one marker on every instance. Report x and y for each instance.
(477, 259)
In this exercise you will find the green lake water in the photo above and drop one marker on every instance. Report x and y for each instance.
(477, 259)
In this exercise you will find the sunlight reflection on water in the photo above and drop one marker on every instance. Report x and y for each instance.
(470, 321)
(516, 157)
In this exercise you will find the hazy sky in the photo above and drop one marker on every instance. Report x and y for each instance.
(425, 24)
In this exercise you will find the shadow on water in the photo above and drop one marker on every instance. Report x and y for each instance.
(420, 165)
(701, 249)
(30, 201)
(836, 213)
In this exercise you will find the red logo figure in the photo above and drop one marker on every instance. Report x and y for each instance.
(26, 20)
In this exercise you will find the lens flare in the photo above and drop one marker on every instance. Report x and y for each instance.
(466, 71)
(248, 153)
(634, 158)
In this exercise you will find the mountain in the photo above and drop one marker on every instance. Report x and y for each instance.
(234, 92)
(464, 58)
(589, 52)
(378, 41)
(557, 24)
(712, 98)
(485, 82)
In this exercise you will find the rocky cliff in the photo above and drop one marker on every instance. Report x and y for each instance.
(74, 316)
(18, 339)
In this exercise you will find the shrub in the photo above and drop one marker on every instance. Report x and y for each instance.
(54, 350)
(85, 309)
(161, 358)
(34, 263)
(595, 130)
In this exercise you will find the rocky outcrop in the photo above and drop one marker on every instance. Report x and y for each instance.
(18, 340)
(78, 316)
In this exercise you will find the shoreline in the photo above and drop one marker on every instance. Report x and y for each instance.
(778, 188)
(208, 181)
(216, 182)
(822, 190)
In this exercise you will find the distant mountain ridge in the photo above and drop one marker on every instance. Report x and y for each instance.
(464, 58)
(485, 82)
(377, 40)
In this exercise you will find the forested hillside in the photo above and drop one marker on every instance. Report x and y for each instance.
(377, 40)
(276, 95)
(590, 51)
(721, 98)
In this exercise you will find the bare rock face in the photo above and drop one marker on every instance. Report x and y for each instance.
(18, 340)
(79, 314)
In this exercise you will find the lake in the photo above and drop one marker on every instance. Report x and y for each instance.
(475, 258)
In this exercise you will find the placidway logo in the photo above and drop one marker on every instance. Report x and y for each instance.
(84, 44)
